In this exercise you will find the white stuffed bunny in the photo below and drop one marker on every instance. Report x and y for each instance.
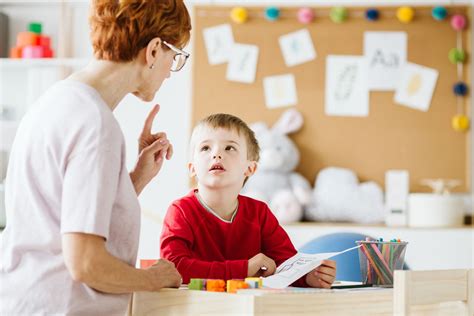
(285, 191)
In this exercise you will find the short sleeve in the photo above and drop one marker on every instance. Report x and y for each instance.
(89, 191)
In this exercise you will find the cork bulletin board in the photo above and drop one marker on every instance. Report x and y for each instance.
(391, 137)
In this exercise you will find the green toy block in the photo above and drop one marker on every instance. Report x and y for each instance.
(35, 27)
(195, 284)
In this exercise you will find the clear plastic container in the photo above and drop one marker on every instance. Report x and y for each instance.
(379, 259)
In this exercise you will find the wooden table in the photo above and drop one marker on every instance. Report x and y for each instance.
(324, 302)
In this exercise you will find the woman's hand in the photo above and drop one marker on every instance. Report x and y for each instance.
(323, 276)
(164, 274)
(152, 150)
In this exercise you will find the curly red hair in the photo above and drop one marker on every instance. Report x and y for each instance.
(121, 28)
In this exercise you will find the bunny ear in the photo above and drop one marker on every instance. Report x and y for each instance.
(290, 121)
(259, 127)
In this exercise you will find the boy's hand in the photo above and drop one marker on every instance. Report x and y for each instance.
(164, 274)
(323, 276)
(261, 265)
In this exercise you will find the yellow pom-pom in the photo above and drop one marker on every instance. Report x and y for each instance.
(460, 123)
(405, 14)
(239, 15)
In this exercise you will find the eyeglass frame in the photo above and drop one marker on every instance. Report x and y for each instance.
(178, 52)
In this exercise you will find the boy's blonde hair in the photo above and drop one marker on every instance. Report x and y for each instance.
(229, 122)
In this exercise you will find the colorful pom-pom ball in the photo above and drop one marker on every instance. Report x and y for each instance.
(239, 15)
(405, 14)
(272, 13)
(372, 14)
(305, 15)
(338, 14)
(460, 89)
(458, 22)
(439, 13)
(460, 123)
(456, 55)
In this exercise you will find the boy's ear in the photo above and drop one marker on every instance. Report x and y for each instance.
(251, 168)
(191, 170)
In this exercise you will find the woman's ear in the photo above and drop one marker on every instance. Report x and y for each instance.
(151, 53)
(251, 168)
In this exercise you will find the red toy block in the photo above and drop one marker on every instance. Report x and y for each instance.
(45, 41)
(146, 263)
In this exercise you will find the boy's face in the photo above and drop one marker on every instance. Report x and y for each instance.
(220, 158)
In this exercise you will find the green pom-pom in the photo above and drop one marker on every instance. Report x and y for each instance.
(456, 55)
(338, 14)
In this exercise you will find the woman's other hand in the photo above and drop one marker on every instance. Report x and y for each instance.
(152, 150)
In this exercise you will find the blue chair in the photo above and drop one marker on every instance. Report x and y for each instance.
(348, 267)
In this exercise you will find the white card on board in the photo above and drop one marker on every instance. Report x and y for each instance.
(280, 91)
(242, 63)
(218, 41)
(297, 47)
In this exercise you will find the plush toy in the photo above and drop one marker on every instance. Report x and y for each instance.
(275, 182)
(338, 196)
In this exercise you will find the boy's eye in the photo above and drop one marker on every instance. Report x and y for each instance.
(204, 148)
(230, 148)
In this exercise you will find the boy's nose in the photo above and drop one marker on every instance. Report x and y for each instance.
(217, 156)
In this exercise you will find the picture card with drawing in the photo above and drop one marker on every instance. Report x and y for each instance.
(297, 47)
(218, 41)
(242, 63)
(416, 86)
(280, 91)
(346, 86)
(386, 53)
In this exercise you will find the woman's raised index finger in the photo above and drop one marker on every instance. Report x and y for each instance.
(149, 119)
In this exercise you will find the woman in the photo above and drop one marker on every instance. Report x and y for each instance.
(71, 241)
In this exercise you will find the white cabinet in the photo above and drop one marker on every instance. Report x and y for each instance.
(428, 248)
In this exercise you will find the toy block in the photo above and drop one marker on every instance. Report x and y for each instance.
(30, 51)
(47, 52)
(27, 38)
(146, 263)
(197, 284)
(254, 283)
(45, 41)
(234, 285)
(15, 52)
(35, 27)
(215, 285)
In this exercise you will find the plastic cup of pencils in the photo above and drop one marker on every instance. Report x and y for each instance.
(379, 259)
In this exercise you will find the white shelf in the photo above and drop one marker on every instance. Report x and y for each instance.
(6, 63)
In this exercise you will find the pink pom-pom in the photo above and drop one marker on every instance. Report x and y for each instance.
(305, 15)
(458, 22)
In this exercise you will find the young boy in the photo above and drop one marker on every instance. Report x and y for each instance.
(213, 232)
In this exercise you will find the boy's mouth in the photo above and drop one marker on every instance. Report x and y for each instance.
(217, 167)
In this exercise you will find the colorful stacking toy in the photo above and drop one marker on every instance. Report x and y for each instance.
(231, 286)
(32, 44)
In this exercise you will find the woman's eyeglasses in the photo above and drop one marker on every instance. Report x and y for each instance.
(179, 59)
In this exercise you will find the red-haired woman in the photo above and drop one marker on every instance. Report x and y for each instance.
(71, 240)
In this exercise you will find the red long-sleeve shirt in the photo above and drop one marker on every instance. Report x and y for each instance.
(201, 245)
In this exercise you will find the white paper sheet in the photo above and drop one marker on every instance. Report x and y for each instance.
(416, 86)
(219, 41)
(297, 266)
(297, 47)
(280, 91)
(242, 63)
(346, 86)
(386, 53)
